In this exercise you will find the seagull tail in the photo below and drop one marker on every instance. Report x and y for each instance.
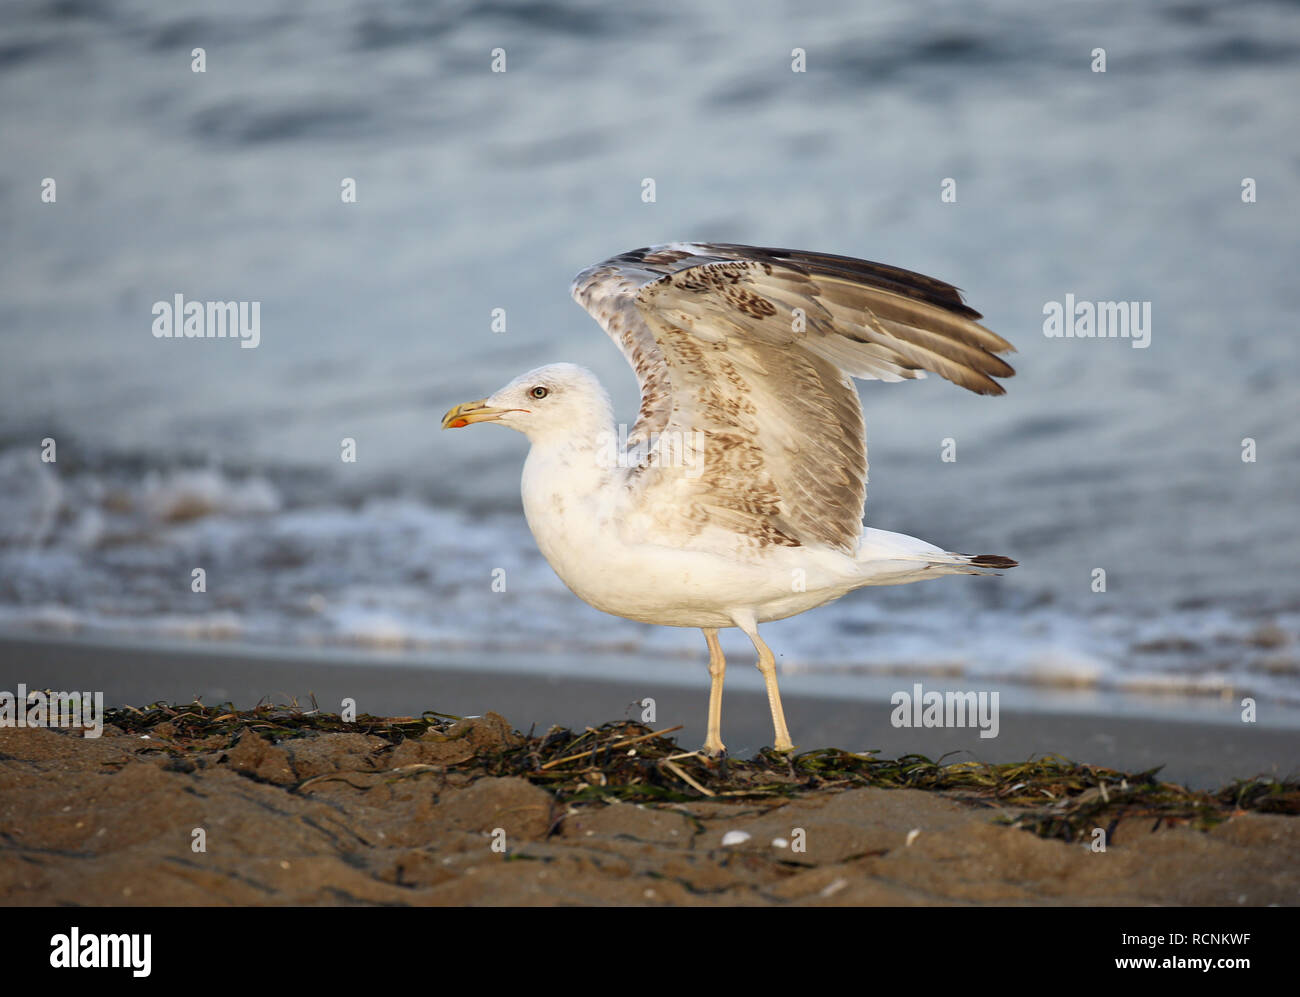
(895, 556)
(953, 563)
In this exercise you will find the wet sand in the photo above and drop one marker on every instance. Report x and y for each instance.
(1197, 754)
(349, 818)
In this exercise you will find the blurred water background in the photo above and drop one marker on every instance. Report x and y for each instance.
(479, 191)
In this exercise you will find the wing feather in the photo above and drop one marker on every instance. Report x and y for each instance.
(754, 350)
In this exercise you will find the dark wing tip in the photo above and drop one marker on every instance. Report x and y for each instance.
(908, 283)
(992, 561)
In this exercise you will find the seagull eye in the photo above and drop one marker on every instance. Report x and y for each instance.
(539, 392)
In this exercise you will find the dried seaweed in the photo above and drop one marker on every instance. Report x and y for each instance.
(1051, 796)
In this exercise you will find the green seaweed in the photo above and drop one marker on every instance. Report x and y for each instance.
(1051, 796)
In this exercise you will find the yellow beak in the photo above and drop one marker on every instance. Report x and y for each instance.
(463, 415)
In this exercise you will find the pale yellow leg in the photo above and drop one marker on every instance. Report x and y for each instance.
(717, 669)
(767, 665)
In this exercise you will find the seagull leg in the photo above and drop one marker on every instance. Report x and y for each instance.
(717, 669)
(767, 665)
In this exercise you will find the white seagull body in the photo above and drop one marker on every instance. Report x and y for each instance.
(737, 497)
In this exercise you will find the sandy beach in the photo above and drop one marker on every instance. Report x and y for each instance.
(346, 818)
(1203, 755)
(438, 811)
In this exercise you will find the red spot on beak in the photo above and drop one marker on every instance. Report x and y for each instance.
(458, 424)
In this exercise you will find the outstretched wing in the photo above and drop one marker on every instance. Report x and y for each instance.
(754, 350)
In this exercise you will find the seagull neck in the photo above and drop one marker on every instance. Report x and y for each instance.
(580, 461)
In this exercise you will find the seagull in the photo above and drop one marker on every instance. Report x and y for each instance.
(737, 497)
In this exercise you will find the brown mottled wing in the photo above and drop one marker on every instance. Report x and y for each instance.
(754, 349)
(608, 291)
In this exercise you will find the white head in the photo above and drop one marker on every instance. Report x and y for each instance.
(559, 401)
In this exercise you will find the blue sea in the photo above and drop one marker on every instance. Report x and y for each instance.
(479, 190)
